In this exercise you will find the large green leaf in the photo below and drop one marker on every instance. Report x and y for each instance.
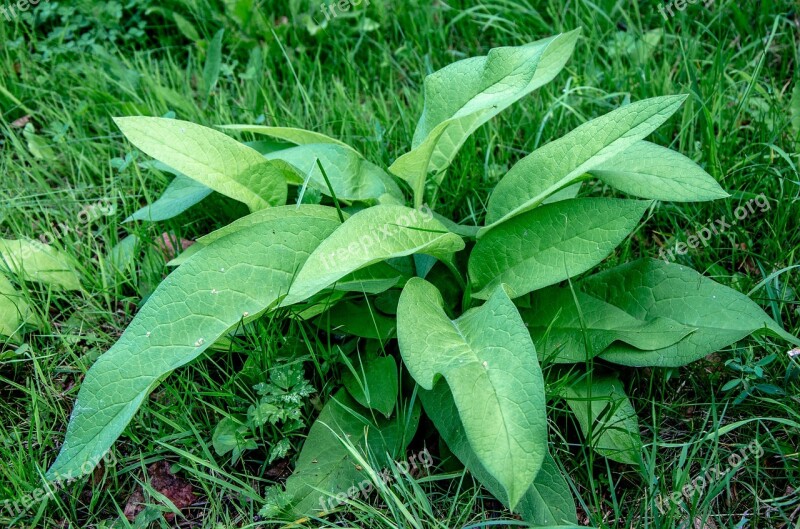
(370, 236)
(374, 383)
(14, 310)
(327, 467)
(564, 161)
(235, 277)
(211, 158)
(351, 176)
(548, 501)
(489, 362)
(32, 260)
(648, 289)
(604, 411)
(551, 243)
(570, 327)
(648, 170)
(464, 95)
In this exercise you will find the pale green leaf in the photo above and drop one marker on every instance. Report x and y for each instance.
(551, 243)
(185, 27)
(209, 157)
(648, 289)
(237, 276)
(38, 145)
(489, 362)
(326, 466)
(213, 64)
(464, 95)
(351, 176)
(230, 436)
(605, 413)
(374, 384)
(31, 260)
(572, 327)
(368, 237)
(565, 161)
(14, 310)
(648, 170)
(548, 501)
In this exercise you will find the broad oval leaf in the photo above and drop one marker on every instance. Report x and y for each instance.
(209, 157)
(31, 260)
(235, 277)
(489, 362)
(328, 466)
(564, 161)
(649, 289)
(571, 327)
(351, 176)
(547, 502)
(606, 415)
(551, 243)
(232, 436)
(648, 170)
(374, 384)
(464, 95)
(368, 237)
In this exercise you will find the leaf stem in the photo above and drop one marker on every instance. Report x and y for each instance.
(330, 188)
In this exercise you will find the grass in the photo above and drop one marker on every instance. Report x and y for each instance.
(736, 60)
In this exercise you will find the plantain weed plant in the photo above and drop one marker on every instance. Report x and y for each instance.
(473, 309)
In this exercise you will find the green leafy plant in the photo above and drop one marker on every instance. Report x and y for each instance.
(71, 28)
(752, 375)
(279, 406)
(475, 310)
